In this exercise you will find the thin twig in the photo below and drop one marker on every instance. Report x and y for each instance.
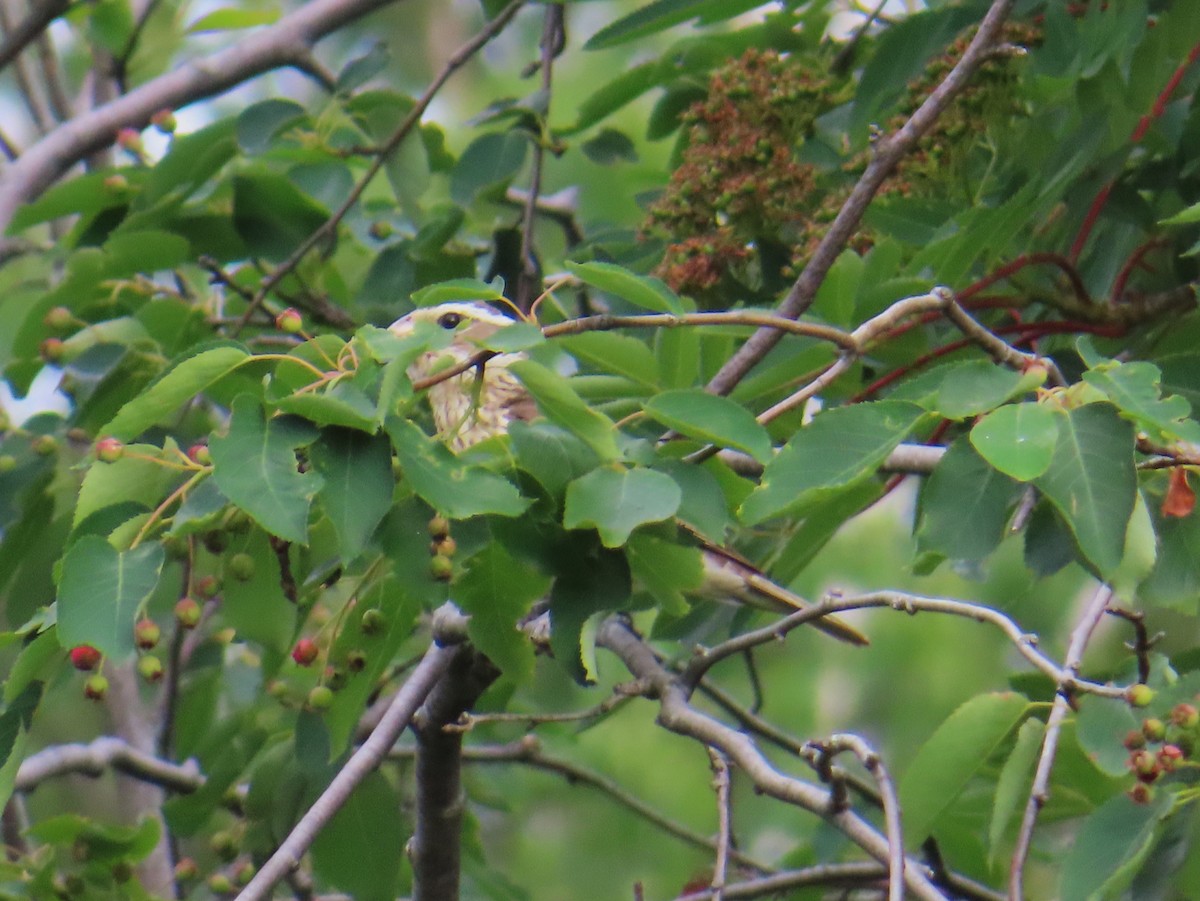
(720, 771)
(528, 751)
(1066, 686)
(395, 139)
(1142, 642)
(887, 154)
(825, 752)
(399, 713)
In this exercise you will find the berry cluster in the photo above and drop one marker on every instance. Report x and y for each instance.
(1160, 747)
(442, 549)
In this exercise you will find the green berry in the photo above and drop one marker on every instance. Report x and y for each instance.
(44, 445)
(95, 688)
(187, 613)
(109, 450)
(320, 697)
(150, 668)
(1139, 695)
(441, 568)
(242, 567)
(373, 621)
(146, 634)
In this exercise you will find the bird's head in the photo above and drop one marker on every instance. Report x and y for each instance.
(469, 321)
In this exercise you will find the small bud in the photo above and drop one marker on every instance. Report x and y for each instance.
(199, 453)
(95, 688)
(109, 450)
(84, 657)
(305, 652)
(186, 869)
(187, 613)
(51, 350)
(373, 621)
(44, 445)
(150, 668)
(320, 698)
(1185, 716)
(146, 634)
(164, 121)
(1139, 695)
(208, 586)
(242, 567)
(289, 321)
(1154, 729)
(58, 318)
(130, 139)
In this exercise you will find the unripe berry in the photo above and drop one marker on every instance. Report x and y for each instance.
(1168, 756)
(320, 697)
(335, 678)
(356, 661)
(109, 450)
(130, 139)
(1139, 695)
(7, 463)
(51, 350)
(122, 871)
(115, 183)
(1154, 729)
(1141, 794)
(380, 230)
(1144, 765)
(44, 445)
(220, 884)
(95, 688)
(244, 874)
(208, 586)
(1134, 740)
(186, 869)
(447, 547)
(59, 319)
(439, 528)
(242, 567)
(199, 453)
(289, 321)
(216, 541)
(84, 657)
(146, 634)
(150, 668)
(224, 844)
(164, 121)
(441, 568)
(187, 613)
(373, 621)
(305, 652)
(1185, 716)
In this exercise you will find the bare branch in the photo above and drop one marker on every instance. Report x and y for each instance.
(677, 715)
(280, 44)
(833, 875)
(399, 713)
(887, 154)
(720, 770)
(1039, 793)
(20, 36)
(104, 754)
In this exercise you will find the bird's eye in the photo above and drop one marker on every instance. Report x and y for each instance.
(450, 320)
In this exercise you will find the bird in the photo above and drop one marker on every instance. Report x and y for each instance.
(482, 401)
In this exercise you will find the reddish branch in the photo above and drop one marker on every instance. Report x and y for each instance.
(1139, 132)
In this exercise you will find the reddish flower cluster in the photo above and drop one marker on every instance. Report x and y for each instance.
(739, 185)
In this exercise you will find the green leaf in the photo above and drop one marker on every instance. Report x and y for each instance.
(186, 377)
(358, 483)
(839, 448)
(1108, 845)
(488, 164)
(952, 756)
(136, 476)
(975, 387)
(1092, 481)
(659, 15)
(590, 581)
(272, 215)
(497, 590)
(640, 290)
(1017, 439)
(716, 420)
(553, 456)
(361, 850)
(14, 730)
(455, 290)
(667, 570)
(254, 465)
(232, 18)
(617, 501)
(256, 608)
(1135, 389)
(447, 484)
(610, 352)
(1175, 580)
(101, 591)
(1188, 216)
(257, 125)
(564, 407)
(1100, 727)
(343, 405)
(1012, 786)
(964, 506)
(609, 146)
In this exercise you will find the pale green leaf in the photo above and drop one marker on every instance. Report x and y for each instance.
(564, 407)
(1017, 439)
(643, 291)
(617, 501)
(716, 420)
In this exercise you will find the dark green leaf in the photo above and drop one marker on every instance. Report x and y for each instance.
(617, 501)
(358, 482)
(258, 125)
(716, 420)
(272, 215)
(964, 506)
(1101, 859)
(369, 819)
(564, 407)
(101, 591)
(668, 571)
(489, 163)
(257, 608)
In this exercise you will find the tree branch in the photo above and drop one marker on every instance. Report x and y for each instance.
(281, 44)
(887, 154)
(104, 754)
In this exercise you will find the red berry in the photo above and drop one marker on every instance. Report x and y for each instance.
(130, 139)
(305, 652)
(199, 453)
(1144, 765)
(95, 688)
(1168, 756)
(289, 321)
(1141, 794)
(208, 586)
(85, 657)
(146, 634)
(109, 450)
(1134, 740)
(51, 350)
(187, 613)
(1185, 716)
(150, 668)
